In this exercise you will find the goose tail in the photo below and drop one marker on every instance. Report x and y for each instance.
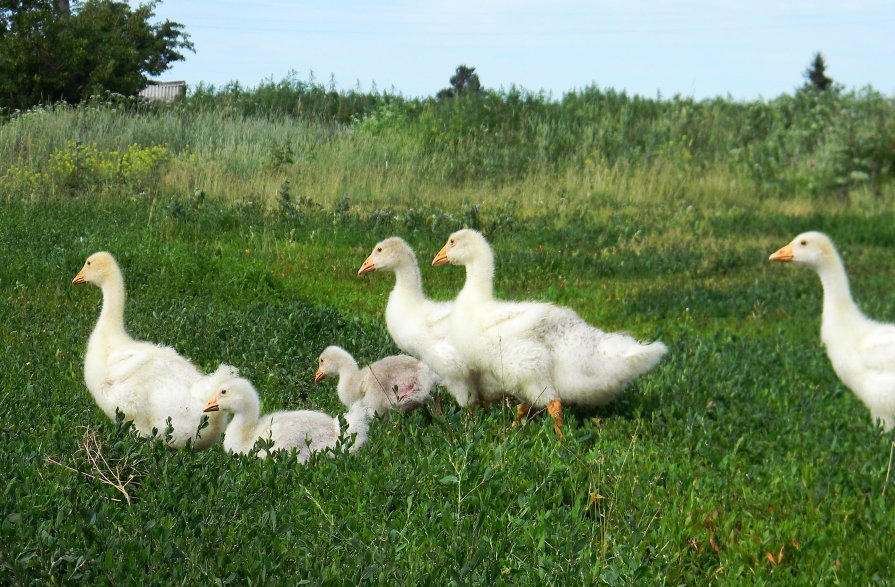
(647, 356)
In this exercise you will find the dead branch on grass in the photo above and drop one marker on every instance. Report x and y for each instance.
(120, 474)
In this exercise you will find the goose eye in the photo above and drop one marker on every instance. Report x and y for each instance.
(451, 242)
(379, 249)
(223, 392)
(803, 243)
(88, 263)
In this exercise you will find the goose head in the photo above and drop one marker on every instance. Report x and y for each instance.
(235, 396)
(97, 268)
(388, 255)
(812, 249)
(334, 360)
(462, 247)
(330, 361)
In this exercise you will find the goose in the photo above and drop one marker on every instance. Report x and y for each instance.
(307, 431)
(149, 383)
(398, 383)
(861, 350)
(545, 355)
(420, 326)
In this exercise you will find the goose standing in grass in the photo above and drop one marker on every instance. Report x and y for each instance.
(543, 354)
(306, 431)
(399, 383)
(420, 326)
(149, 383)
(861, 350)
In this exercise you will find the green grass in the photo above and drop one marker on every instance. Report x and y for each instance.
(522, 150)
(740, 444)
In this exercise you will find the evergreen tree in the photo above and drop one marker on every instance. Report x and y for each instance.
(816, 76)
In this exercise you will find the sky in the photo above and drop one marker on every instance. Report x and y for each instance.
(745, 50)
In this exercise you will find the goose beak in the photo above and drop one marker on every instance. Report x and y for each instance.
(441, 258)
(368, 266)
(212, 405)
(318, 376)
(784, 255)
(79, 278)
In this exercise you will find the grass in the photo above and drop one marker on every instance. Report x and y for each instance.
(740, 459)
(520, 149)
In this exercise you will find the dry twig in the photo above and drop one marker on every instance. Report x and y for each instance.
(119, 475)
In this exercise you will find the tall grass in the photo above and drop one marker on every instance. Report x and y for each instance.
(511, 146)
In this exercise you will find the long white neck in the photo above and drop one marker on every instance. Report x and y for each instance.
(111, 319)
(348, 372)
(839, 307)
(480, 276)
(347, 365)
(241, 433)
(408, 282)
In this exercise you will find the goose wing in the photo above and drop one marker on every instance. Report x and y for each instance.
(877, 348)
(518, 317)
(438, 317)
(150, 373)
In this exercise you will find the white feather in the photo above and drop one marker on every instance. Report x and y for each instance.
(861, 350)
(535, 351)
(149, 383)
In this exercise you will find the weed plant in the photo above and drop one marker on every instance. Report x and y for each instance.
(530, 150)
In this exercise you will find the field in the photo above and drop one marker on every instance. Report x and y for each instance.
(740, 459)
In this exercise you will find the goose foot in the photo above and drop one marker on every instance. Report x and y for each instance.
(554, 408)
(523, 412)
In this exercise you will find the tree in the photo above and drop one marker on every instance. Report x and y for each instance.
(815, 75)
(49, 52)
(464, 81)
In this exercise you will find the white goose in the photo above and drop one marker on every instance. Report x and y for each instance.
(420, 326)
(149, 383)
(543, 354)
(306, 431)
(399, 383)
(861, 350)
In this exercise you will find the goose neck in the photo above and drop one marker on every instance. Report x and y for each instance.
(347, 366)
(243, 424)
(348, 388)
(480, 277)
(838, 301)
(111, 318)
(245, 420)
(408, 280)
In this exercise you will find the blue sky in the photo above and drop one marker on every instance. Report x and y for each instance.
(699, 48)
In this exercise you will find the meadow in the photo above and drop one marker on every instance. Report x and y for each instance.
(740, 459)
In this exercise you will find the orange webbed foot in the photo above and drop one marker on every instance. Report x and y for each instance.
(554, 408)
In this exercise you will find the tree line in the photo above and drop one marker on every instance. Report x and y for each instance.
(51, 52)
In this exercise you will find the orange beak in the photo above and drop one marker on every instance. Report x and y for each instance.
(79, 278)
(318, 376)
(212, 405)
(441, 258)
(368, 266)
(784, 255)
